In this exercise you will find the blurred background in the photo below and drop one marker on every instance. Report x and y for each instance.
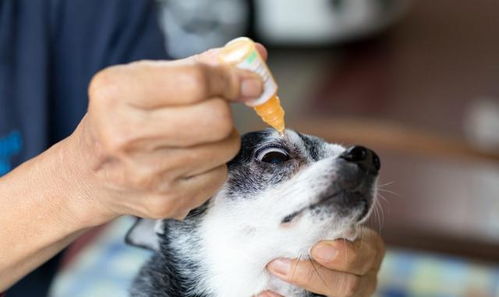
(417, 81)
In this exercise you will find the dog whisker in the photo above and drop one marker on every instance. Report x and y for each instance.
(386, 184)
(382, 200)
(319, 275)
(389, 192)
(295, 267)
(381, 214)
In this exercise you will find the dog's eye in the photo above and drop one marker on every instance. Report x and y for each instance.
(272, 155)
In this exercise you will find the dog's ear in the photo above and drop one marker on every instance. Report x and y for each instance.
(145, 233)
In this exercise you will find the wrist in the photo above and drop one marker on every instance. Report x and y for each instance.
(47, 200)
(62, 178)
(74, 185)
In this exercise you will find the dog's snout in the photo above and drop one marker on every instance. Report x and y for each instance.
(365, 158)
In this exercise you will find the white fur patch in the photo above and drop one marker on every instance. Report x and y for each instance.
(240, 237)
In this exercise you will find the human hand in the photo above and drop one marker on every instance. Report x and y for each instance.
(337, 269)
(157, 135)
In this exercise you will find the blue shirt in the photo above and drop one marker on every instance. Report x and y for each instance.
(49, 50)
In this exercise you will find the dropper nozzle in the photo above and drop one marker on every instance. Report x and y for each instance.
(272, 113)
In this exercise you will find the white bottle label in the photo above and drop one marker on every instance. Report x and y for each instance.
(254, 62)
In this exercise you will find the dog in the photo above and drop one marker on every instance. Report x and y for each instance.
(284, 193)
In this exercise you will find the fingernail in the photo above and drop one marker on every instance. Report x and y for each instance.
(280, 266)
(325, 252)
(251, 88)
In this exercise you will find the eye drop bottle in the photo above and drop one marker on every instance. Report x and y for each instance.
(242, 53)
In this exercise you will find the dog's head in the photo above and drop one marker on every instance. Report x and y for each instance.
(294, 180)
(282, 195)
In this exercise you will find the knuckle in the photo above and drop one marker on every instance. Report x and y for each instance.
(235, 144)
(104, 86)
(371, 285)
(114, 143)
(143, 179)
(185, 161)
(197, 200)
(190, 157)
(115, 140)
(222, 115)
(120, 133)
(220, 177)
(166, 178)
(233, 150)
(214, 181)
(352, 286)
(158, 207)
(157, 213)
(197, 75)
(164, 186)
(200, 199)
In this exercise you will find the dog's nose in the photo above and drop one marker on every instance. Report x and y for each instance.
(365, 158)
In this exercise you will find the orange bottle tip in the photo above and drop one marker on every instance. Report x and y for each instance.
(272, 113)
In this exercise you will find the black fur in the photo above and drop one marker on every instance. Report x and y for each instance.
(311, 146)
(168, 274)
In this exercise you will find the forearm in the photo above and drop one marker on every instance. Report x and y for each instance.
(38, 216)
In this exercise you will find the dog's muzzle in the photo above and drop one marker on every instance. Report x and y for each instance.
(353, 187)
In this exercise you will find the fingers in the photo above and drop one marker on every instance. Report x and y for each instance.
(358, 257)
(316, 278)
(203, 158)
(338, 269)
(159, 133)
(180, 126)
(368, 284)
(175, 163)
(152, 84)
(181, 196)
(199, 188)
